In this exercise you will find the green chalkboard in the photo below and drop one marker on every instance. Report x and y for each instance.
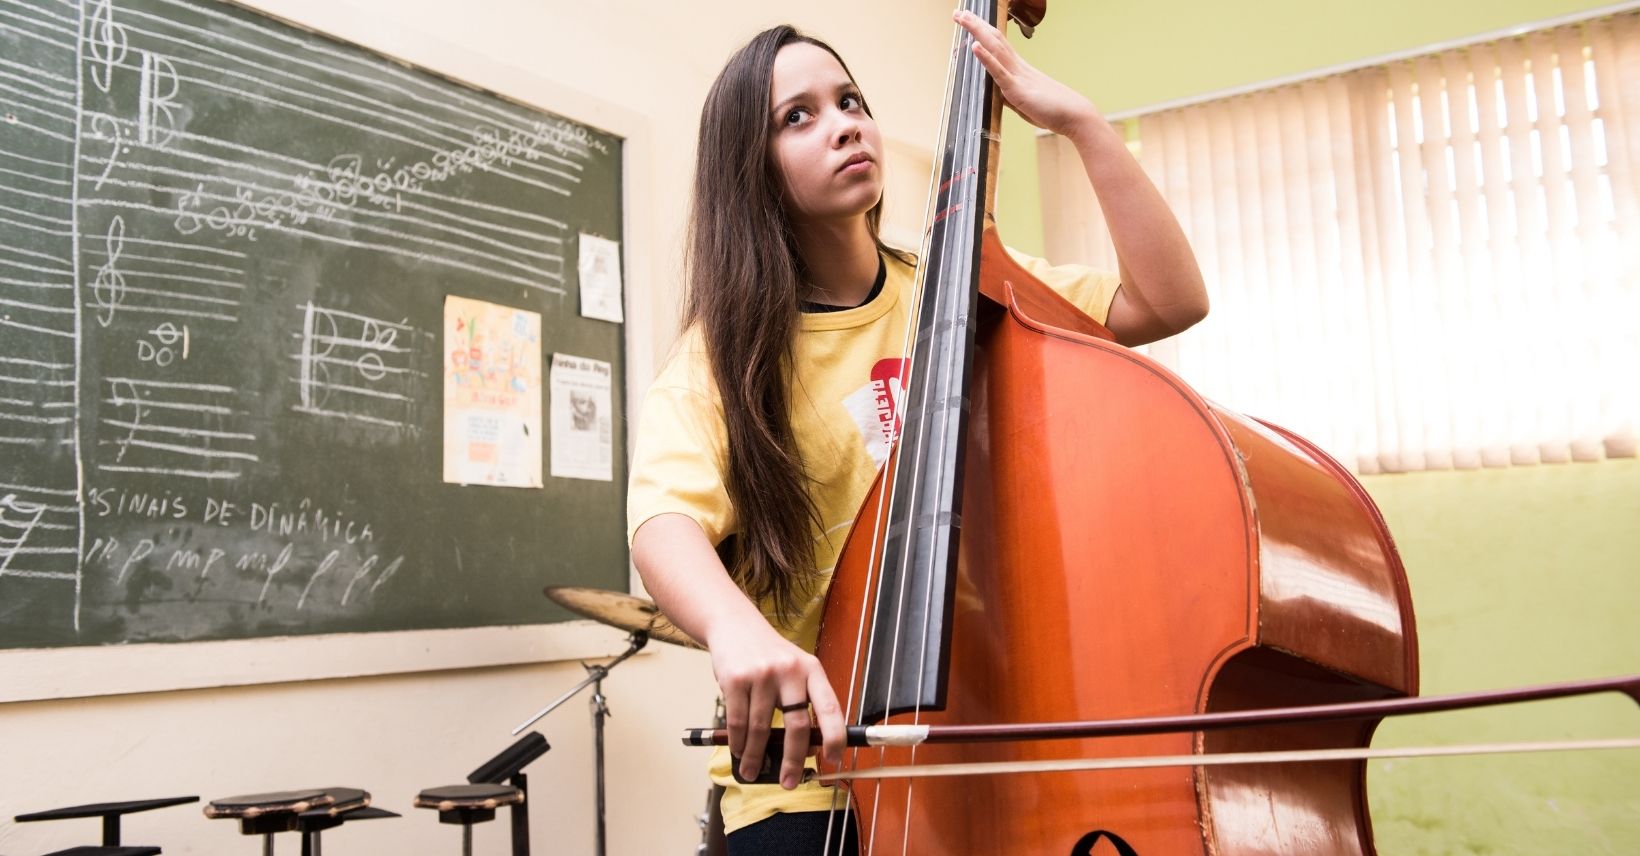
(225, 249)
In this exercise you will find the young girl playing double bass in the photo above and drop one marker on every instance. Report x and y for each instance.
(762, 433)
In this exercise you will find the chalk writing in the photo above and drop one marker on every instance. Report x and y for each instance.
(109, 287)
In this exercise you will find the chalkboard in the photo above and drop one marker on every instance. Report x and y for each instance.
(225, 249)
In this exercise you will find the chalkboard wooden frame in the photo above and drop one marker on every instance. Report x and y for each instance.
(70, 672)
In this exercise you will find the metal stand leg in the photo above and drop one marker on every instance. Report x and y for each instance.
(521, 818)
(267, 844)
(466, 839)
(600, 710)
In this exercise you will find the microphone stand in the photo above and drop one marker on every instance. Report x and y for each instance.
(600, 710)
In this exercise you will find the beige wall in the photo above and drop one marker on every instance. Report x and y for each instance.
(640, 68)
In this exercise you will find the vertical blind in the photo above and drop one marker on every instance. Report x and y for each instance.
(1427, 264)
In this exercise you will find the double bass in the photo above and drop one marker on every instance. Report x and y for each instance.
(1126, 549)
(1066, 532)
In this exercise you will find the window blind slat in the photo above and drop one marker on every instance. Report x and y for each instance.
(1440, 281)
(1501, 269)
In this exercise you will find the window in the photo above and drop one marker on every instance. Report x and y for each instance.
(1426, 264)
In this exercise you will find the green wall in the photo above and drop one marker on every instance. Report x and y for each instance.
(1521, 575)
(1126, 54)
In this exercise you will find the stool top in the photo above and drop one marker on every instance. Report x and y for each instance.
(105, 851)
(103, 809)
(482, 796)
(273, 802)
(343, 800)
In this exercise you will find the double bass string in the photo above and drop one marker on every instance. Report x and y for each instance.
(962, 116)
(885, 497)
(952, 301)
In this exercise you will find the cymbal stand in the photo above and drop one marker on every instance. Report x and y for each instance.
(600, 710)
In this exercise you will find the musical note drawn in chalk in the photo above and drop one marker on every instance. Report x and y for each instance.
(109, 44)
(109, 286)
(119, 387)
(379, 338)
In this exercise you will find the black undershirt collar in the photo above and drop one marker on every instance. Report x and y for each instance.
(876, 289)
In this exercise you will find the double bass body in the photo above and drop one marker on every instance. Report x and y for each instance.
(1130, 549)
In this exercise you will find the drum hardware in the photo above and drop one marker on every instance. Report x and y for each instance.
(497, 782)
(600, 710)
(712, 839)
(110, 814)
(627, 612)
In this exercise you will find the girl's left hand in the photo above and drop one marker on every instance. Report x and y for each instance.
(1036, 97)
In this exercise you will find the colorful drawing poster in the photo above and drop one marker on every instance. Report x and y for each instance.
(582, 433)
(492, 394)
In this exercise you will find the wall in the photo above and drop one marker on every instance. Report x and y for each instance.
(1523, 575)
(630, 62)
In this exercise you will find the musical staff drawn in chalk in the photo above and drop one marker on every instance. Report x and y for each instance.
(33, 396)
(173, 429)
(168, 285)
(355, 367)
(385, 196)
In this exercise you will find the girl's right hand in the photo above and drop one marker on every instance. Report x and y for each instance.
(759, 671)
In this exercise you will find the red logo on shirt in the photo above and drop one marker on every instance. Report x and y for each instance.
(887, 387)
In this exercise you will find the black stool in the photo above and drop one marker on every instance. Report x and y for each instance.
(309, 812)
(477, 801)
(469, 804)
(110, 814)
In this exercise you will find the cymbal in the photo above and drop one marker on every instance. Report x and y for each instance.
(617, 609)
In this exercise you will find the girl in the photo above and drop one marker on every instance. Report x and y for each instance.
(761, 436)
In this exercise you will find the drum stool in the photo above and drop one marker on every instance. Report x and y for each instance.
(477, 801)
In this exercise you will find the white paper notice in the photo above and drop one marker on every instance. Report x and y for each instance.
(582, 436)
(600, 269)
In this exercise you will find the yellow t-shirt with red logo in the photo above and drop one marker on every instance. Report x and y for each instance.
(845, 416)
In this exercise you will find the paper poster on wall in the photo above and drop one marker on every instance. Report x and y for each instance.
(492, 394)
(582, 442)
(600, 269)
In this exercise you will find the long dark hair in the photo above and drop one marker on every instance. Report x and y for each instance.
(744, 283)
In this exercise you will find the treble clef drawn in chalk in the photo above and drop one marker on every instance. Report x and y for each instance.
(108, 45)
(159, 87)
(119, 388)
(109, 287)
(106, 127)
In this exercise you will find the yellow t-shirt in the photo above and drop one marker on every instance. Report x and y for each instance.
(845, 415)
